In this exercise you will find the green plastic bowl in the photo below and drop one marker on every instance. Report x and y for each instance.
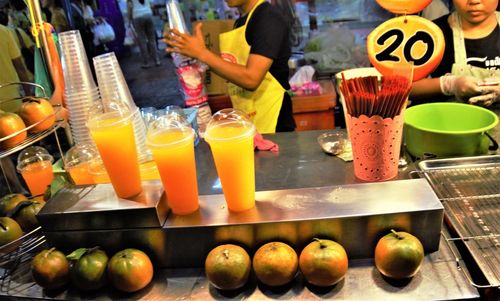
(449, 130)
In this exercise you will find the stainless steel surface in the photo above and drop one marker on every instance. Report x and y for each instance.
(96, 207)
(353, 215)
(470, 191)
(438, 279)
(300, 164)
(19, 250)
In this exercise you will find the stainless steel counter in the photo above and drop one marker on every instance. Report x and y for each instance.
(300, 163)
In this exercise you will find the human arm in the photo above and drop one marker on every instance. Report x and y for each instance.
(425, 89)
(247, 76)
(28, 42)
(462, 87)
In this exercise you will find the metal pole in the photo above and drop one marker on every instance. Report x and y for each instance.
(37, 16)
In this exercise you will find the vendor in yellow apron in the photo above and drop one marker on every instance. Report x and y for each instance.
(262, 105)
(460, 67)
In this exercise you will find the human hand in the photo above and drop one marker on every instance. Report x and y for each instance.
(186, 44)
(490, 89)
(462, 87)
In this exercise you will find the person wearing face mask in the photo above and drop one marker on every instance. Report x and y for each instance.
(470, 68)
(254, 59)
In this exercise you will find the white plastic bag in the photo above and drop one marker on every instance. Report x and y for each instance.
(103, 32)
(130, 36)
(303, 75)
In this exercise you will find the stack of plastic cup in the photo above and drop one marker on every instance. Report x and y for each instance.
(113, 87)
(80, 90)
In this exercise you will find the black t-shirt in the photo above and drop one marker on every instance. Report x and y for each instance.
(267, 34)
(483, 53)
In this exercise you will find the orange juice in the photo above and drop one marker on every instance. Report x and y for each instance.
(80, 173)
(173, 152)
(233, 152)
(149, 171)
(114, 138)
(98, 172)
(38, 175)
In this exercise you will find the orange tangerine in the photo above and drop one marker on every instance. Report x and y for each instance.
(404, 6)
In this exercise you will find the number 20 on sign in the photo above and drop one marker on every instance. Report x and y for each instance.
(406, 39)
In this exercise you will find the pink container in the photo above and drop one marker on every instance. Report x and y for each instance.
(376, 144)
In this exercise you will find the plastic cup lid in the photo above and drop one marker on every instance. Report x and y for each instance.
(80, 153)
(100, 114)
(31, 155)
(233, 118)
(170, 122)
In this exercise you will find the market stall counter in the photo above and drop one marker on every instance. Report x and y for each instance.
(299, 166)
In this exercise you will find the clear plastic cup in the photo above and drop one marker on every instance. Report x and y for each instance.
(111, 129)
(98, 171)
(113, 87)
(82, 95)
(34, 163)
(81, 109)
(77, 74)
(159, 113)
(175, 16)
(77, 162)
(173, 109)
(78, 108)
(110, 78)
(230, 135)
(148, 115)
(171, 140)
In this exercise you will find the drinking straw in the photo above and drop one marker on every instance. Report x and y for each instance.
(363, 96)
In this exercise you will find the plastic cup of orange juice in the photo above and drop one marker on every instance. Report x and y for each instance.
(77, 163)
(230, 136)
(98, 171)
(35, 165)
(111, 128)
(171, 140)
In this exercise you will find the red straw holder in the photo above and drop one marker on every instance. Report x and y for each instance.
(376, 143)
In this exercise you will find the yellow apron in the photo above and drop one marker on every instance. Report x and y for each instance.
(460, 67)
(262, 105)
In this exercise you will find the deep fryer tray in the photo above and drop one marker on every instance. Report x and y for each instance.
(469, 189)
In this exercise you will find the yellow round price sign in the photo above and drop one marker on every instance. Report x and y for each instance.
(404, 6)
(405, 39)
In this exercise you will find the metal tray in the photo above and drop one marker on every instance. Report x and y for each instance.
(469, 189)
(97, 207)
(18, 251)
